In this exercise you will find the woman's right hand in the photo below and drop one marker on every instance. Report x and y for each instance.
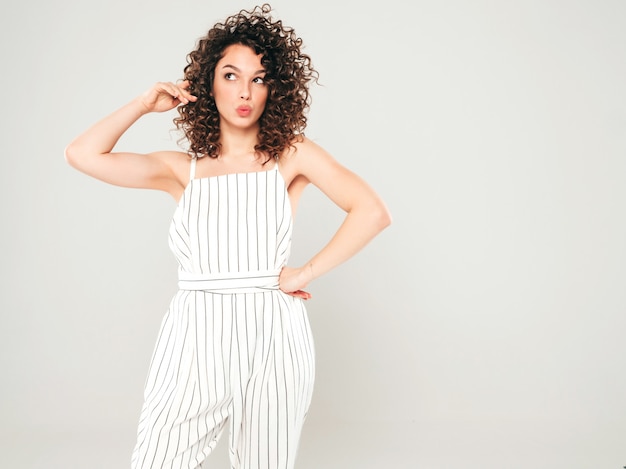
(164, 96)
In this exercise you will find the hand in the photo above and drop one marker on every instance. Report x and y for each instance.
(292, 281)
(164, 96)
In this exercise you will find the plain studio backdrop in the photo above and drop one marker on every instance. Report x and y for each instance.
(483, 330)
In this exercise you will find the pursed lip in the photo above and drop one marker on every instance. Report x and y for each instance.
(244, 110)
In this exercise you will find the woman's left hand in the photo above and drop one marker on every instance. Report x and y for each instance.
(293, 280)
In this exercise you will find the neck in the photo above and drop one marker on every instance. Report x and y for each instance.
(238, 143)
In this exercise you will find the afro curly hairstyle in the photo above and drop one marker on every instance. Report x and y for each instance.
(288, 74)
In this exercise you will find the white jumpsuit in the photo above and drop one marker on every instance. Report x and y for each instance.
(232, 347)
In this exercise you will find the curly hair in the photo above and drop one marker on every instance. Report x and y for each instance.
(288, 73)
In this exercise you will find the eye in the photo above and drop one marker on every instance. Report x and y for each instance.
(258, 80)
(229, 76)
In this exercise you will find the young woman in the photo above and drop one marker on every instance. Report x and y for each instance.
(235, 346)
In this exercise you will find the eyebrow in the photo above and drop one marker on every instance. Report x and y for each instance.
(238, 70)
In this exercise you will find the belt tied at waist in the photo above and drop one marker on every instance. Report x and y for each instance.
(230, 282)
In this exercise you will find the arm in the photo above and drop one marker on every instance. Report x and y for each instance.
(366, 215)
(92, 151)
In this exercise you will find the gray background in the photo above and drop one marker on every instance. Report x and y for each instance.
(484, 329)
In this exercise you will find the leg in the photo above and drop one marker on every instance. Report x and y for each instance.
(187, 395)
(276, 399)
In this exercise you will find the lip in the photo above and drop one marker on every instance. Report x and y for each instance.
(244, 110)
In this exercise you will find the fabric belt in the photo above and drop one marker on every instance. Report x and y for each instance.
(230, 282)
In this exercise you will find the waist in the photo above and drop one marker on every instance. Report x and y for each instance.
(230, 282)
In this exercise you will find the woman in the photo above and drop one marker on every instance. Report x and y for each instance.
(235, 345)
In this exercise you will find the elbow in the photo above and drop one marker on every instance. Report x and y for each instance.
(374, 216)
(74, 156)
(384, 218)
(70, 155)
(381, 217)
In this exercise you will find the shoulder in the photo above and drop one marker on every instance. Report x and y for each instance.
(304, 147)
(305, 157)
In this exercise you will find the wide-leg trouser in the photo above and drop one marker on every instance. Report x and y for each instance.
(243, 359)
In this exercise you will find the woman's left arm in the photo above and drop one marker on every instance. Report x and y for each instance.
(366, 214)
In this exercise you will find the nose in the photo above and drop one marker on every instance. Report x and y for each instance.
(244, 93)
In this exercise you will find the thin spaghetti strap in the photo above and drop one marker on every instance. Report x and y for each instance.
(192, 168)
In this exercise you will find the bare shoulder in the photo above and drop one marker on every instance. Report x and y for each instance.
(305, 158)
(307, 148)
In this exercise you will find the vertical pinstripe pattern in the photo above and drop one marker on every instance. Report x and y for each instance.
(233, 350)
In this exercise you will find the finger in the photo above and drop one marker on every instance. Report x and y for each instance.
(301, 294)
(183, 94)
(161, 91)
(177, 93)
(167, 87)
(174, 92)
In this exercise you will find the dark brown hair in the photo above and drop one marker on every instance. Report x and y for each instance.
(288, 73)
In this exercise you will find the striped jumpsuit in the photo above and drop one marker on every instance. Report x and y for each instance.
(232, 349)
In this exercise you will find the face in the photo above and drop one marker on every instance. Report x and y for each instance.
(239, 89)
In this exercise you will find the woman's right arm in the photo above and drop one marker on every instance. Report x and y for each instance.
(92, 151)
